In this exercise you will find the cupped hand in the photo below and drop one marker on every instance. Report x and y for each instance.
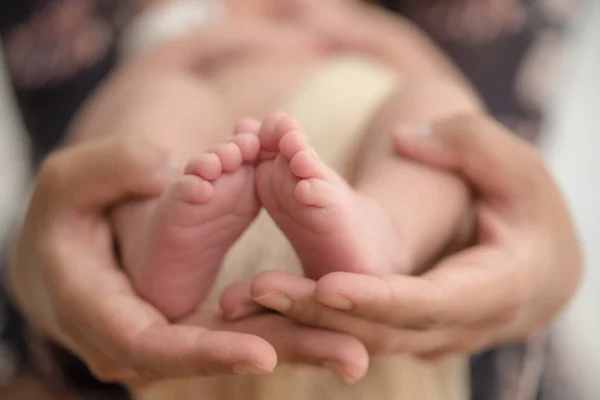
(521, 270)
(65, 275)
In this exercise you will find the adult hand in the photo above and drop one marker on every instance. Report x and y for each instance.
(523, 267)
(64, 273)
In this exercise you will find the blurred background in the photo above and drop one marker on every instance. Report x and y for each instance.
(559, 80)
(572, 151)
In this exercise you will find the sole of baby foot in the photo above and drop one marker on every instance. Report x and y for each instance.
(194, 224)
(330, 225)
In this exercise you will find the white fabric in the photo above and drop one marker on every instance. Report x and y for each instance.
(14, 173)
(573, 152)
(14, 159)
(167, 21)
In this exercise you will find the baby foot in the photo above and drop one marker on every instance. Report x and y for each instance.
(330, 225)
(194, 223)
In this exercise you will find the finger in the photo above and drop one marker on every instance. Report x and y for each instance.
(300, 305)
(236, 302)
(92, 176)
(107, 314)
(467, 340)
(463, 289)
(293, 296)
(171, 351)
(156, 350)
(344, 355)
(496, 162)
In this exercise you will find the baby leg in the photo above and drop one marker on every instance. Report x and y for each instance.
(392, 216)
(172, 246)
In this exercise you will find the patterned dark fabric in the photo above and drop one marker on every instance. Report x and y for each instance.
(56, 52)
(510, 49)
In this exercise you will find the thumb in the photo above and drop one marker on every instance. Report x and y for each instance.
(495, 162)
(94, 175)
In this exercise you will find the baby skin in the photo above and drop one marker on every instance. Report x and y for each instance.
(174, 256)
(331, 226)
(174, 259)
(172, 246)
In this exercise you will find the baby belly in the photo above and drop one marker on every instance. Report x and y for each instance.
(257, 86)
(334, 102)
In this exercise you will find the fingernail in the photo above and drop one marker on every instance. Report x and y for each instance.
(338, 302)
(341, 371)
(276, 301)
(249, 368)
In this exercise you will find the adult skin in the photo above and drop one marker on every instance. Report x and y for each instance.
(523, 267)
(66, 239)
(63, 270)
